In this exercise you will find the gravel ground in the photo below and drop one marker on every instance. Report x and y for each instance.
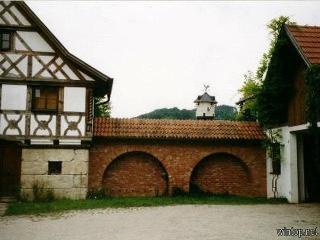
(173, 222)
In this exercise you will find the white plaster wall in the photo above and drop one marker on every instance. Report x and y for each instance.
(40, 132)
(22, 65)
(34, 41)
(74, 99)
(12, 132)
(88, 78)
(41, 141)
(287, 184)
(81, 125)
(69, 72)
(71, 183)
(13, 97)
(203, 108)
(18, 14)
(9, 18)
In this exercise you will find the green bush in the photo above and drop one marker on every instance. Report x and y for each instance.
(97, 193)
(41, 193)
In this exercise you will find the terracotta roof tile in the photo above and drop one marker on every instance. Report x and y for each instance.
(308, 39)
(177, 129)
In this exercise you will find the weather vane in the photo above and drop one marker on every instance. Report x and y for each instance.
(206, 87)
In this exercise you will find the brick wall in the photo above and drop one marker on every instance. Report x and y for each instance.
(222, 173)
(239, 168)
(135, 174)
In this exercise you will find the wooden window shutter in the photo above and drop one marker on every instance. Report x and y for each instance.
(89, 110)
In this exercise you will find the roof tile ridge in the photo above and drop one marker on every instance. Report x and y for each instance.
(306, 25)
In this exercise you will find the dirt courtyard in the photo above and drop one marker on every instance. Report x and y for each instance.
(166, 223)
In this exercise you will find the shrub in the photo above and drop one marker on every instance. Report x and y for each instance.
(97, 193)
(176, 191)
(41, 193)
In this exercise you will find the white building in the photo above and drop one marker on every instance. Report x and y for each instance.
(205, 106)
(46, 107)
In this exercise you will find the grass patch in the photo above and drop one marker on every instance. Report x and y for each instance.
(18, 208)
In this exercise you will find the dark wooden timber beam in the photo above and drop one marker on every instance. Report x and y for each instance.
(17, 28)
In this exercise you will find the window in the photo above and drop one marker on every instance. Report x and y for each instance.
(5, 41)
(54, 168)
(45, 98)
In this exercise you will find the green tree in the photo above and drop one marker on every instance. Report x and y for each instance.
(253, 83)
(249, 91)
(102, 108)
(274, 27)
(225, 112)
(170, 113)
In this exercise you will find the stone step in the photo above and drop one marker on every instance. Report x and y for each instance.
(3, 208)
(7, 199)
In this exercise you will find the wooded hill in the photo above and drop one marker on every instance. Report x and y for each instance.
(223, 112)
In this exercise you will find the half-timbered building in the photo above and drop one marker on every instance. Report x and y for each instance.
(46, 107)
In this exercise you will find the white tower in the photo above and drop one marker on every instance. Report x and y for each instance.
(205, 105)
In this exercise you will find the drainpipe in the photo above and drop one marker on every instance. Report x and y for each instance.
(275, 185)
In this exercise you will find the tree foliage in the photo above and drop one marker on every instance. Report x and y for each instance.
(253, 83)
(313, 110)
(277, 87)
(313, 95)
(223, 112)
(274, 27)
(101, 108)
(170, 113)
(249, 90)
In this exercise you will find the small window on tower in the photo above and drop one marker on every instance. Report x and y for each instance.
(5, 41)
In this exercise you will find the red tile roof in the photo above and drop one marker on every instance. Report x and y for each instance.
(177, 129)
(307, 39)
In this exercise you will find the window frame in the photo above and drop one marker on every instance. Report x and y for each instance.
(45, 109)
(10, 33)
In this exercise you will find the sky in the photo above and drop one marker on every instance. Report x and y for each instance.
(161, 53)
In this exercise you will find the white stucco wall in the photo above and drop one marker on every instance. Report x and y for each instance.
(12, 132)
(287, 184)
(21, 18)
(43, 132)
(81, 126)
(34, 41)
(74, 99)
(13, 97)
(205, 108)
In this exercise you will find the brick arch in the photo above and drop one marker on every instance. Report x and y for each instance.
(135, 173)
(221, 173)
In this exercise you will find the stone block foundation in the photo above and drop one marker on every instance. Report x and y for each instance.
(71, 183)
